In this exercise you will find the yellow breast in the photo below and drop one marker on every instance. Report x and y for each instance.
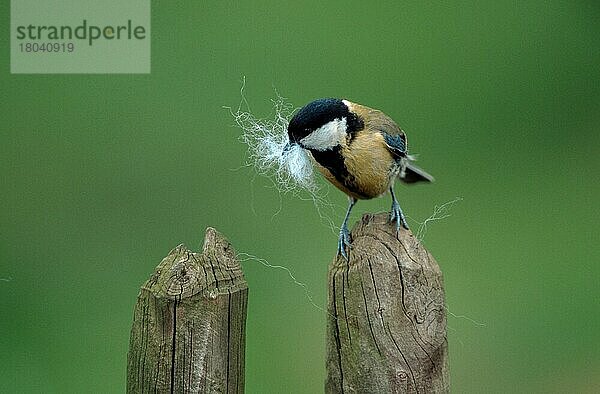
(370, 165)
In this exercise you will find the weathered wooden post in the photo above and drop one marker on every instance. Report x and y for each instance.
(386, 329)
(188, 332)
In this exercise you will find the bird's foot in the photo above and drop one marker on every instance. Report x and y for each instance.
(343, 242)
(396, 215)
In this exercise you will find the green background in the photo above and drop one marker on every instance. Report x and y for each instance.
(103, 174)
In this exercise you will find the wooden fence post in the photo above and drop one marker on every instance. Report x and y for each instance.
(386, 330)
(188, 332)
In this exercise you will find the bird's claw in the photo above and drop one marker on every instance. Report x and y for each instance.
(396, 215)
(343, 242)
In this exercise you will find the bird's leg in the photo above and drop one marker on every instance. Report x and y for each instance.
(396, 214)
(344, 239)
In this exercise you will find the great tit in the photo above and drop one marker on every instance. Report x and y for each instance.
(359, 149)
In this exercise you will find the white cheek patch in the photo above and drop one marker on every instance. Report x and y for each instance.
(327, 136)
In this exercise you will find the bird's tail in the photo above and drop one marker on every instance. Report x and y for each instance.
(412, 174)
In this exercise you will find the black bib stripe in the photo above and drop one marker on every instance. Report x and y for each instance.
(334, 162)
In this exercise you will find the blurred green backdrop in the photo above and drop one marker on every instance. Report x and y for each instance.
(103, 174)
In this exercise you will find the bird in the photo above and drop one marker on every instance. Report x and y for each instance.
(360, 150)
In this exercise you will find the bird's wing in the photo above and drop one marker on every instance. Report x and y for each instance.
(395, 140)
(377, 121)
(396, 144)
(394, 137)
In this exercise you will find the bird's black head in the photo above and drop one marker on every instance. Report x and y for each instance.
(319, 113)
